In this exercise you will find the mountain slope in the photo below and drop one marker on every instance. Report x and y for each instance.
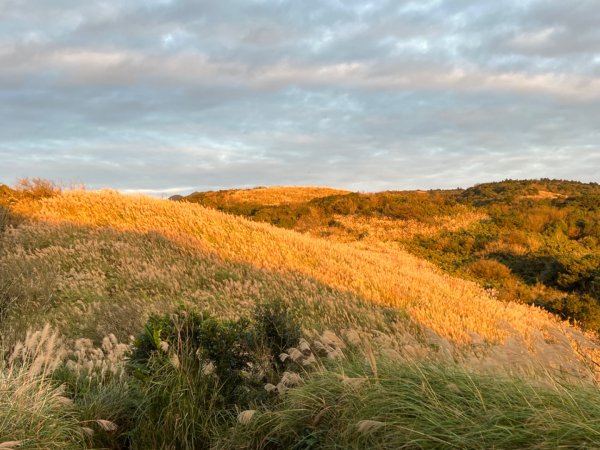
(454, 309)
(532, 241)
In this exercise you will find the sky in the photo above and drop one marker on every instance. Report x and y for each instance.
(167, 97)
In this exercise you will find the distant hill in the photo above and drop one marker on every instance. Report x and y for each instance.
(512, 190)
(276, 195)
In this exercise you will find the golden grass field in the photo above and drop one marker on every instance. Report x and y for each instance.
(374, 231)
(458, 311)
(278, 195)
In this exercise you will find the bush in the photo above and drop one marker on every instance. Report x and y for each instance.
(277, 328)
(201, 343)
(36, 188)
(491, 271)
(194, 371)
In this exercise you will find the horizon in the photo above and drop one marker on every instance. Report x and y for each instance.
(165, 194)
(173, 96)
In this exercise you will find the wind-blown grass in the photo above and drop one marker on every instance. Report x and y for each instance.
(90, 282)
(96, 263)
(34, 412)
(453, 308)
(415, 405)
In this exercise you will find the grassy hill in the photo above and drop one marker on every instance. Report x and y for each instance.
(277, 195)
(388, 338)
(451, 307)
(532, 241)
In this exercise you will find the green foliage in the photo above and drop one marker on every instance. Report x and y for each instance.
(581, 274)
(509, 191)
(32, 412)
(194, 370)
(319, 212)
(180, 406)
(101, 395)
(422, 405)
(538, 231)
(551, 239)
(581, 308)
(277, 328)
(199, 341)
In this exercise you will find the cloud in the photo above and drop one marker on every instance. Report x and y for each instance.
(167, 95)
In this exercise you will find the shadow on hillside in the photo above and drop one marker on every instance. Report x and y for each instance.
(128, 275)
(531, 269)
(9, 218)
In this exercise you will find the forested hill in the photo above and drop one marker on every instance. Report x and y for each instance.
(533, 241)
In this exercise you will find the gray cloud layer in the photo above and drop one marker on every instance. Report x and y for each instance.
(181, 95)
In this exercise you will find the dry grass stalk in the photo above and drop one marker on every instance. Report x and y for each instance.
(366, 426)
(246, 416)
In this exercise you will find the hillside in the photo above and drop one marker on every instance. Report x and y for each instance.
(101, 266)
(276, 195)
(456, 310)
(533, 241)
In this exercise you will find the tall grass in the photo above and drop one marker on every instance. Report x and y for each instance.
(348, 397)
(34, 412)
(452, 308)
(98, 263)
(416, 405)
(91, 282)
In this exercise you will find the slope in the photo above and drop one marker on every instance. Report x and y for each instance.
(457, 310)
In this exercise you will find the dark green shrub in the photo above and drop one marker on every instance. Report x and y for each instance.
(195, 371)
(490, 271)
(277, 328)
(225, 349)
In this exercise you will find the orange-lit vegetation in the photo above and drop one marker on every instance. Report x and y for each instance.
(546, 232)
(276, 195)
(450, 306)
(373, 231)
(343, 329)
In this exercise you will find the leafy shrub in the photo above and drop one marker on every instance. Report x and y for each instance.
(195, 370)
(582, 309)
(277, 328)
(36, 188)
(490, 270)
(199, 341)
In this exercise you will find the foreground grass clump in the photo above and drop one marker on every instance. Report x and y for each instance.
(196, 381)
(34, 411)
(417, 405)
(193, 371)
